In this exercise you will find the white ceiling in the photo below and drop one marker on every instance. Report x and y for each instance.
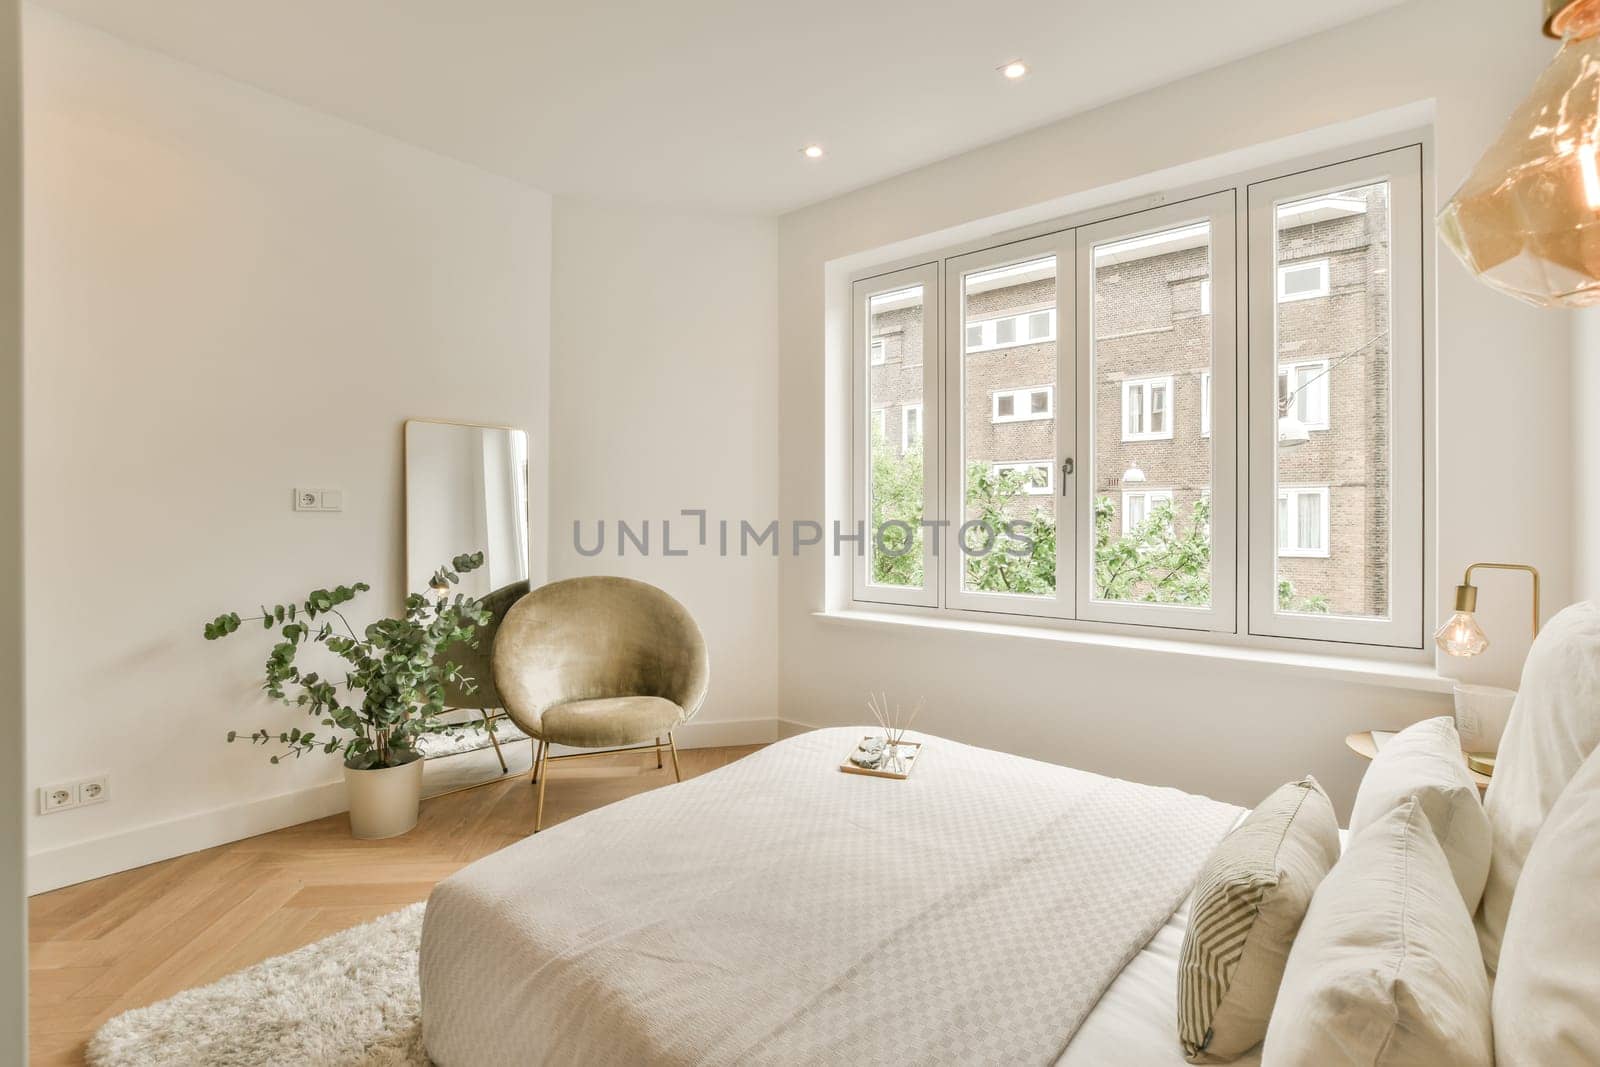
(705, 103)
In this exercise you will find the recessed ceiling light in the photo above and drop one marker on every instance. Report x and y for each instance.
(812, 151)
(1014, 69)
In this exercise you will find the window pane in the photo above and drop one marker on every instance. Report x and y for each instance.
(1038, 325)
(1334, 348)
(1014, 382)
(1149, 350)
(894, 474)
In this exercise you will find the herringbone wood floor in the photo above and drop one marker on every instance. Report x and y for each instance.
(102, 947)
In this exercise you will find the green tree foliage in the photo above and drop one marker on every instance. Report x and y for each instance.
(393, 689)
(1159, 561)
(1316, 604)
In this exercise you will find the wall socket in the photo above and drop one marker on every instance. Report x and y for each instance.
(319, 499)
(64, 795)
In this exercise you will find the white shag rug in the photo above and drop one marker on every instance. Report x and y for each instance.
(350, 1000)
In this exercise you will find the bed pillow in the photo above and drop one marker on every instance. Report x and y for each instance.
(1385, 970)
(1554, 725)
(1248, 903)
(1424, 761)
(1548, 985)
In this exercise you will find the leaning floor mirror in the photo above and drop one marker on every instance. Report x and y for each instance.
(466, 492)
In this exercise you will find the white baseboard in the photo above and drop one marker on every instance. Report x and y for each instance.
(100, 856)
(790, 728)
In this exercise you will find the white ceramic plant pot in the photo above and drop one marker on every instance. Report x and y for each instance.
(383, 800)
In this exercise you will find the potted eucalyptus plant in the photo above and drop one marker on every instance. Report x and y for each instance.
(391, 693)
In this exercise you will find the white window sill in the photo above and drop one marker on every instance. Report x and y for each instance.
(1340, 668)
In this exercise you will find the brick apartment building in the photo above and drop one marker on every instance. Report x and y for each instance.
(1152, 386)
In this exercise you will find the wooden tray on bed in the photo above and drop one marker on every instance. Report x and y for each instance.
(908, 753)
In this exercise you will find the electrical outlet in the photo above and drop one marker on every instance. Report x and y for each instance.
(308, 500)
(95, 790)
(54, 798)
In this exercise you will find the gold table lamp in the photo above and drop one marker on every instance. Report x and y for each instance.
(1461, 635)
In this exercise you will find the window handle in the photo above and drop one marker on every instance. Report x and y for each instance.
(1066, 472)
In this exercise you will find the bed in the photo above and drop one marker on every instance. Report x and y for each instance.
(989, 909)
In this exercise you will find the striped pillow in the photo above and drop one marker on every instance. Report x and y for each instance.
(1247, 906)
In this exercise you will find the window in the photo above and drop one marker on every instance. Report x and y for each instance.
(1037, 478)
(894, 489)
(1020, 405)
(1138, 506)
(1302, 281)
(878, 350)
(910, 427)
(1034, 327)
(1303, 393)
(1303, 521)
(1146, 404)
(1342, 563)
(1026, 388)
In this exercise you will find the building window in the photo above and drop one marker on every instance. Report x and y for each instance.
(1138, 505)
(1146, 409)
(1022, 405)
(1038, 476)
(1008, 331)
(878, 350)
(1205, 296)
(1303, 521)
(880, 423)
(1205, 404)
(1303, 390)
(910, 427)
(1302, 281)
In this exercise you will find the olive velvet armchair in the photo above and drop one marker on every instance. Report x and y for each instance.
(609, 664)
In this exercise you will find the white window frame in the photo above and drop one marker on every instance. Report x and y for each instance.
(1151, 498)
(926, 275)
(1403, 628)
(880, 422)
(1243, 442)
(1322, 289)
(1205, 296)
(1205, 403)
(1022, 401)
(1049, 467)
(990, 327)
(1063, 398)
(880, 351)
(1323, 391)
(1219, 210)
(905, 426)
(1143, 385)
(1289, 495)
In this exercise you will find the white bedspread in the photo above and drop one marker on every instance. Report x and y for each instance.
(781, 911)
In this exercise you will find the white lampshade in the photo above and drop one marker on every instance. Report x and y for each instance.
(1132, 476)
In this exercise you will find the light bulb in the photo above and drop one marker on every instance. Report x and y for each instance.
(1014, 69)
(812, 151)
(1461, 635)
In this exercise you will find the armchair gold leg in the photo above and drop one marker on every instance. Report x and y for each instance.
(676, 773)
(658, 753)
(495, 741)
(538, 754)
(541, 771)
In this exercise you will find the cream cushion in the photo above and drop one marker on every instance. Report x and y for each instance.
(1248, 903)
(1555, 725)
(1385, 969)
(1547, 991)
(1424, 760)
(609, 721)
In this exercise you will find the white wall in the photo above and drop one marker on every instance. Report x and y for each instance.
(13, 903)
(664, 370)
(1504, 435)
(1586, 455)
(229, 296)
